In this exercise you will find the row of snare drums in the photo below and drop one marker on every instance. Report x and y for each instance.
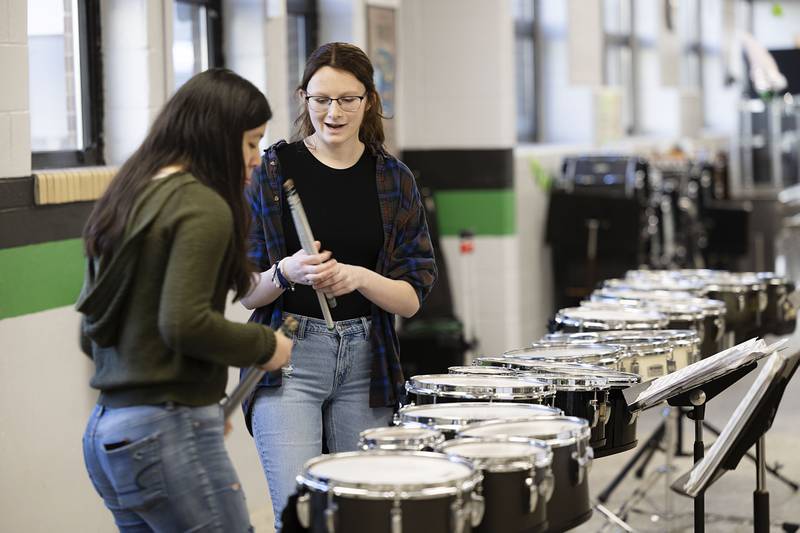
(506, 444)
(756, 303)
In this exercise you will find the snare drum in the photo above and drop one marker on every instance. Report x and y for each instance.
(780, 315)
(560, 352)
(745, 298)
(450, 417)
(583, 396)
(442, 388)
(568, 437)
(408, 438)
(621, 425)
(620, 428)
(517, 480)
(389, 492)
(481, 370)
(578, 319)
(635, 297)
(646, 353)
(659, 283)
(713, 339)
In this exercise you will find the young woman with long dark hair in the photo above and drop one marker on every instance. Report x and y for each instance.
(165, 243)
(364, 207)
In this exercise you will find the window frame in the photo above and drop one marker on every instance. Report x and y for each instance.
(532, 31)
(626, 38)
(91, 67)
(216, 56)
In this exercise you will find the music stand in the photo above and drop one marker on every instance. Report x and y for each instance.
(747, 426)
(694, 386)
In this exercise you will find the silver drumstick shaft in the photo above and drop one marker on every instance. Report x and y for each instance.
(307, 242)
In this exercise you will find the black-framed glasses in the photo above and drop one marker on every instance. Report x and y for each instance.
(346, 103)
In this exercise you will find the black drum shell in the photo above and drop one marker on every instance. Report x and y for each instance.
(576, 403)
(621, 426)
(506, 499)
(357, 515)
(570, 505)
(740, 320)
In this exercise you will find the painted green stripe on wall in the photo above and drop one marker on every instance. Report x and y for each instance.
(483, 211)
(40, 276)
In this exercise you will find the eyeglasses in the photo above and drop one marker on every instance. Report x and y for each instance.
(346, 103)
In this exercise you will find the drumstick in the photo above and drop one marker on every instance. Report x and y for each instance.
(252, 376)
(307, 242)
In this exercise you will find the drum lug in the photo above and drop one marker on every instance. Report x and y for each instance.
(671, 366)
(457, 515)
(547, 485)
(720, 323)
(584, 463)
(330, 514)
(740, 302)
(477, 508)
(396, 517)
(304, 510)
(635, 367)
(533, 493)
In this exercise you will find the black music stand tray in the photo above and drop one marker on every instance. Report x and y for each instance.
(752, 432)
(714, 387)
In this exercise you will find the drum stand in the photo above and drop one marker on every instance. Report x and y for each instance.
(660, 440)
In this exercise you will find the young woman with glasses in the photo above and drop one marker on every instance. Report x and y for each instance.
(165, 244)
(375, 258)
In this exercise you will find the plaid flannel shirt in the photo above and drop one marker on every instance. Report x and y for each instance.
(407, 255)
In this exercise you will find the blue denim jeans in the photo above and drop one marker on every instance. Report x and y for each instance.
(325, 386)
(164, 468)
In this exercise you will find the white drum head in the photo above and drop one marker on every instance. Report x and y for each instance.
(556, 431)
(389, 469)
(459, 414)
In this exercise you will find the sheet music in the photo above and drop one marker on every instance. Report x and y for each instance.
(703, 371)
(705, 468)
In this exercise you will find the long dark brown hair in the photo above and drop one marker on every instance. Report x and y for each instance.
(352, 59)
(200, 128)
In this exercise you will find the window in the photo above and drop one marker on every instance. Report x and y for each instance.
(525, 63)
(302, 40)
(196, 38)
(620, 63)
(64, 83)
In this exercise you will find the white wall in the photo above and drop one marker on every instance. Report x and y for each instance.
(46, 401)
(15, 132)
(458, 81)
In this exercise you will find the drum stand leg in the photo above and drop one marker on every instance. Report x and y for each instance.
(650, 446)
(663, 435)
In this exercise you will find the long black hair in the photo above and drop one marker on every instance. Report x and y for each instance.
(352, 59)
(200, 128)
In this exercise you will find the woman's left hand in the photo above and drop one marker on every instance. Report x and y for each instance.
(338, 280)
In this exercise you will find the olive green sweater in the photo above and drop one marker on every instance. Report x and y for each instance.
(153, 313)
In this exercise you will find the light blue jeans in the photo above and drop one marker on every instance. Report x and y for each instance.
(325, 386)
(164, 468)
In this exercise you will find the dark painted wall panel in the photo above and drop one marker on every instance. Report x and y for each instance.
(37, 224)
(462, 169)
